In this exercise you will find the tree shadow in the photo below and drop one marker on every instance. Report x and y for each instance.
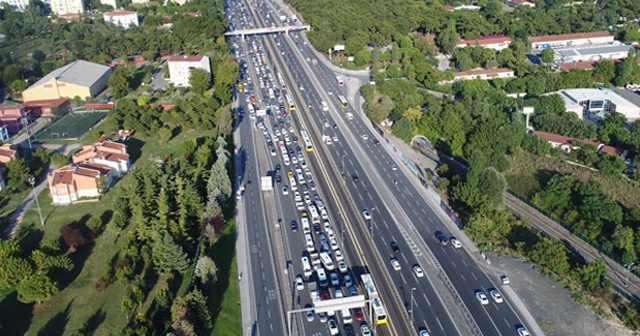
(29, 237)
(134, 149)
(543, 176)
(106, 217)
(176, 131)
(58, 323)
(79, 258)
(15, 316)
(94, 321)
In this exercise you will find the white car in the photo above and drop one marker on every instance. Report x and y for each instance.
(333, 327)
(342, 266)
(482, 298)
(495, 295)
(396, 264)
(338, 255)
(366, 214)
(285, 190)
(309, 314)
(335, 138)
(455, 242)
(299, 283)
(326, 225)
(364, 330)
(273, 152)
(334, 244)
(338, 293)
(522, 331)
(417, 270)
(365, 137)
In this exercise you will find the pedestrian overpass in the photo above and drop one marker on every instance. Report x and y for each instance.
(270, 30)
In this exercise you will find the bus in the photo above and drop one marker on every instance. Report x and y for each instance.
(292, 106)
(340, 81)
(343, 101)
(376, 308)
(307, 140)
(281, 81)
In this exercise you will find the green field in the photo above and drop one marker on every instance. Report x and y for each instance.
(70, 127)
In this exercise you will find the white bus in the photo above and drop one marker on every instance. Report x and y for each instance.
(343, 101)
(379, 314)
(340, 81)
(292, 105)
(281, 81)
(307, 141)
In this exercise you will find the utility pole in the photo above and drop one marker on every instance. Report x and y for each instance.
(32, 181)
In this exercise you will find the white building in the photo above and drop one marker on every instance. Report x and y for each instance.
(16, 4)
(180, 67)
(570, 40)
(139, 1)
(592, 54)
(122, 18)
(593, 104)
(60, 7)
(485, 74)
(111, 3)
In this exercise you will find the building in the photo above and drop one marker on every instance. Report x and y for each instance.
(124, 19)
(180, 67)
(524, 3)
(570, 40)
(112, 3)
(60, 7)
(485, 74)
(110, 154)
(78, 79)
(73, 182)
(19, 5)
(4, 133)
(497, 42)
(568, 144)
(13, 117)
(8, 153)
(139, 2)
(70, 17)
(452, 9)
(594, 104)
(47, 108)
(592, 54)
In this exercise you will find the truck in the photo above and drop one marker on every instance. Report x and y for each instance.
(349, 116)
(313, 291)
(283, 18)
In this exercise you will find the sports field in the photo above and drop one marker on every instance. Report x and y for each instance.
(70, 127)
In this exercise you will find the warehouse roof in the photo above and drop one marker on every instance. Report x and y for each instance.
(80, 72)
(599, 50)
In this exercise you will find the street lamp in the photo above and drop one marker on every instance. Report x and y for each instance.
(372, 222)
(342, 164)
(32, 181)
(411, 310)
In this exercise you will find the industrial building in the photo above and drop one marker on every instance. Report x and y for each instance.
(595, 104)
(570, 40)
(592, 54)
(496, 42)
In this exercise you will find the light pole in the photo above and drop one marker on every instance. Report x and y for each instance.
(371, 227)
(25, 124)
(342, 164)
(411, 310)
(32, 181)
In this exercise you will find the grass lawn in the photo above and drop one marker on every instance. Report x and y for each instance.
(78, 304)
(8, 205)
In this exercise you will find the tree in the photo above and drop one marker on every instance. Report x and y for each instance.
(13, 270)
(592, 275)
(119, 83)
(448, 37)
(611, 164)
(168, 256)
(493, 185)
(206, 270)
(94, 224)
(36, 288)
(18, 85)
(627, 70)
(200, 81)
(623, 237)
(551, 254)
(164, 134)
(39, 55)
(223, 119)
(604, 71)
(547, 55)
(192, 310)
(18, 170)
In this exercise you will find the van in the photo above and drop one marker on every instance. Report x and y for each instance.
(325, 107)
(346, 316)
(305, 225)
(327, 261)
(315, 258)
(306, 267)
(322, 277)
(313, 211)
(309, 242)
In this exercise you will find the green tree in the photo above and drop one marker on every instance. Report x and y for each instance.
(611, 164)
(196, 314)
(223, 119)
(94, 224)
(36, 288)
(206, 270)
(551, 254)
(18, 85)
(13, 270)
(547, 55)
(39, 55)
(627, 70)
(119, 83)
(604, 71)
(493, 185)
(200, 81)
(18, 170)
(623, 237)
(164, 134)
(168, 256)
(448, 37)
(592, 275)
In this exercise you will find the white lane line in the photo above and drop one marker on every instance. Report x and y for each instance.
(426, 299)
(405, 259)
(463, 278)
(474, 276)
(506, 322)
(261, 264)
(403, 280)
(430, 220)
(454, 264)
(385, 224)
(440, 324)
(263, 277)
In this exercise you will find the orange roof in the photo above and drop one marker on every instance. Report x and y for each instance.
(120, 13)
(578, 65)
(48, 102)
(63, 175)
(551, 38)
(485, 40)
(115, 145)
(185, 58)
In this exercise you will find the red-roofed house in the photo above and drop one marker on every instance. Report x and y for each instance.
(8, 153)
(11, 116)
(570, 40)
(482, 74)
(497, 42)
(47, 108)
(567, 144)
(73, 182)
(110, 154)
(180, 67)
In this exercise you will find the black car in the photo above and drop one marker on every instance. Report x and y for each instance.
(316, 227)
(348, 330)
(294, 226)
(355, 177)
(376, 142)
(442, 238)
(278, 167)
(395, 247)
(335, 126)
(278, 178)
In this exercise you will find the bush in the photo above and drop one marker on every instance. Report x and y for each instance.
(73, 236)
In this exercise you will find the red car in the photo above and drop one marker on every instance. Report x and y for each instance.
(357, 313)
(324, 295)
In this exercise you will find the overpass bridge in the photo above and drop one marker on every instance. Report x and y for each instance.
(270, 30)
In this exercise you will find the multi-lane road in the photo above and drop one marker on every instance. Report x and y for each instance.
(443, 302)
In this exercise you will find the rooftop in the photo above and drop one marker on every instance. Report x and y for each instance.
(185, 58)
(485, 40)
(480, 72)
(79, 72)
(563, 37)
(120, 13)
(605, 49)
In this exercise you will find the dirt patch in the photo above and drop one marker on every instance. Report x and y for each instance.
(523, 164)
(551, 304)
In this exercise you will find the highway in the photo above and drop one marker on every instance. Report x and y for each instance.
(398, 214)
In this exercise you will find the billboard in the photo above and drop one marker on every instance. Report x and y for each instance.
(338, 47)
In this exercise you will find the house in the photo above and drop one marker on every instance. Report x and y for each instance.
(524, 3)
(594, 104)
(13, 117)
(110, 154)
(485, 74)
(70, 183)
(180, 67)
(452, 9)
(592, 54)
(19, 5)
(122, 18)
(77, 79)
(8, 153)
(570, 40)
(47, 108)
(60, 7)
(139, 2)
(568, 144)
(496, 42)
(69, 17)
